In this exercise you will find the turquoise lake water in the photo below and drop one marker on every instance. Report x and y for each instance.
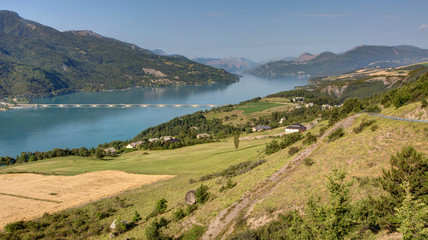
(44, 129)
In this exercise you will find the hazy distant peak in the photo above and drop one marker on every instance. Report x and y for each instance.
(304, 57)
(160, 52)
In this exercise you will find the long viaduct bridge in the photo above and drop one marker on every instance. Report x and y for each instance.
(116, 105)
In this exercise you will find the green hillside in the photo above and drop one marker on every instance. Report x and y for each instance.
(36, 60)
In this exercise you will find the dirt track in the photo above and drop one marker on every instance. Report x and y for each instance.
(224, 222)
(27, 196)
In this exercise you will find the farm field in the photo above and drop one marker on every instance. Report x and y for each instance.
(31, 195)
(78, 181)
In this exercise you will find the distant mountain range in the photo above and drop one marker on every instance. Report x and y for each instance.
(328, 63)
(37, 60)
(230, 64)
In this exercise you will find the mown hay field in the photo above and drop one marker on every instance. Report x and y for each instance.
(28, 196)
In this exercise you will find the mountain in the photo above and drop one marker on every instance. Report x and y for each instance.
(37, 60)
(230, 64)
(160, 52)
(328, 63)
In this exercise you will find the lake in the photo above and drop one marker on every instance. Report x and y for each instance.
(33, 130)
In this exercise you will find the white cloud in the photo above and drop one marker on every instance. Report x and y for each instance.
(423, 26)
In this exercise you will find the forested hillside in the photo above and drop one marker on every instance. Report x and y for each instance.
(37, 60)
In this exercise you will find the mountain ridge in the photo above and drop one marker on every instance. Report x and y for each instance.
(230, 64)
(329, 63)
(37, 60)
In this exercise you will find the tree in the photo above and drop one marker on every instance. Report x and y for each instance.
(202, 194)
(136, 217)
(99, 153)
(161, 205)
(406, 166)
(339, 219)
(236, 135)
(334, 220)
(413, 216)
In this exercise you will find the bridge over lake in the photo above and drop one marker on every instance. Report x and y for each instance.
(116, 105)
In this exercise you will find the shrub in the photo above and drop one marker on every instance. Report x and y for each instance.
(363, 125)
(179, 214)
(229, 184)
(194, 233)
(308, 161)
(374, 128)
(338, 133)
(293, 150)
(424, 103)
(310, 138)
(152, 231)
(161, 205)
(15, 226)
(136, 217)
(190, 209)
(272, 147)
(202, 194)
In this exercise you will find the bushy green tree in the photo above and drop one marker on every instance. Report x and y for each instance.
(161, 205)
(406, 166)
(413, 216)
(136, 217)
(202, 194)
(333, 220)
(236, 135)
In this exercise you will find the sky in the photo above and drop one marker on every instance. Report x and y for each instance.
(260, 30)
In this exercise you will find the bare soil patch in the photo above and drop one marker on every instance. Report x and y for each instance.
(27, 196)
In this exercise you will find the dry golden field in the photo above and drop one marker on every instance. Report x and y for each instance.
(27, 196)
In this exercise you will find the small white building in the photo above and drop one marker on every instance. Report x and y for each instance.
(202, 135)
(260, 128)
(326, 106)
(167, 138)
(309, 105)
(134, 144)
(153, 139)
(296, 127)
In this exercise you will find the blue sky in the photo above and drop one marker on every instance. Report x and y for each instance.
(258, 30)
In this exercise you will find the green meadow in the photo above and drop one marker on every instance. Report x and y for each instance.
(253, 107)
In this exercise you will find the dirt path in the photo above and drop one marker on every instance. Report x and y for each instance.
(224, 222)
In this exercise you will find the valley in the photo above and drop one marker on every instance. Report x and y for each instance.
(280, 183)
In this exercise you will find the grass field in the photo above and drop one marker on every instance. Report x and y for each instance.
(183, 161)
(253, 107)
(363, 155)
(190, 162)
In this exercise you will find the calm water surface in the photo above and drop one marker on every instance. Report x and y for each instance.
(45, 129)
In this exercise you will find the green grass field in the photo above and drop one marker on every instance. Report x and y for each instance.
(194, 160)
(253, 107)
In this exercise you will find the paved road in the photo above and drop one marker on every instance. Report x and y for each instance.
(397, 118)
